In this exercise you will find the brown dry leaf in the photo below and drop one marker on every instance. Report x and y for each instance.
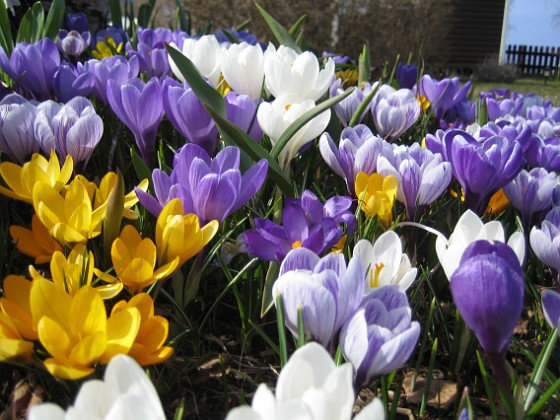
(442, 392)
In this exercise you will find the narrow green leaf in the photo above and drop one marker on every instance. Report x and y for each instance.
(231, 37)
(236, 136)
(428, 379)
(184, 21)
(207, 95)
(54, 20)
(243, 25)
(280, 321)
(145, 12)
(364, 65)
(304, 119)
(487, 387)
(6, 40)
(365, 103)
(271, 276)
(540, 368)
(31, 26)
(295, 29)
(281, 34)
(141, 169)
(482, 115)
(112, 222)
(538, 406)
(116, 16)
(300, 328)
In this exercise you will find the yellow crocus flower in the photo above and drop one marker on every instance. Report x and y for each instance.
(21, 179)
(70, 219)
(106, 48)
(377, 195)
(16, 305)
(36, 243)
(498, 203)
(13, 347)
(180, 235)
(100, 195)
(148, 347)
(75, 271)
(134, 260)
(75, 330)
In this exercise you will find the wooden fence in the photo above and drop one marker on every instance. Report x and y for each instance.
(533, 59)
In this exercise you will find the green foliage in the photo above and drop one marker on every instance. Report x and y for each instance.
(283, 36)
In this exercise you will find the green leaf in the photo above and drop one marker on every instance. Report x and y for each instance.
(364, 65)
(482, 114)
(231, 37)
(54, 20)
(141, 169)
(304, 119)
(116, 16)
(243, 25)
(145, 12)
(238, 137)
(6, 40)
(271, 276)
(281, 34)
(31, 26)
(207, 95)
(362, 107)
(184, 21)
(215, 105)
(295, 29)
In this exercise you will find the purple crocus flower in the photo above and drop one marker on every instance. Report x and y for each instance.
(407, 75)
(32, 66)
(77, 22)
(116, 68)
(394, 111)
(69, 82)
(72, 129)
(346, 108)
(488, 289)
(151, 52)
(482, 168)
(358, 151)
(210, 188)
(242, 111)
(543, 153)
(443, 94)
(545, 242)
(530, 192)
(17, 116)
(188, 116)
(139, 106)
(551, 308)
(72, 43)
(326, 289)
(337, 58)
(422, 177)
(380, 337)
(502, 107)
(305, 223)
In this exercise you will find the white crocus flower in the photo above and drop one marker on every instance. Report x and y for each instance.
(242, 68)
(274, 118)
(470, 228)
(289, 73)
(205, 53)
(384, 262)
(309, 387)
(125, 393)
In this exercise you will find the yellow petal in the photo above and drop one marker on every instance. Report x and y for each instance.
(59, 369)
(54, 338)
(14, 349)
(153, 332)
(46, 299)
(145, 358)
(88, 350)
(25, 324)
(87, 313)
(122, 328)
(68, 235)
(109, 291)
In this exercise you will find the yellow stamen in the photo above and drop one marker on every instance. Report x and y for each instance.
(296, 244)
(374, 275)
(287, 107)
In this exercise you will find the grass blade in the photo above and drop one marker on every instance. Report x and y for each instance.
(54, 19)
(281, 34)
